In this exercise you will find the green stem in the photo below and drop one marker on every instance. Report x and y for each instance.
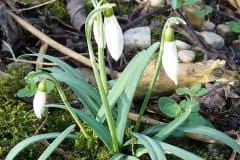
(64, 99)
(153, 81)
(101, 60)
(70, 109)
(109, 117)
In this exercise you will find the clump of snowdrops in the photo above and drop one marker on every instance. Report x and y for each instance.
(108, 106)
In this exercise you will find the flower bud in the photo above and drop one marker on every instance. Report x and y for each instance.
(170, 58)
(39, 100)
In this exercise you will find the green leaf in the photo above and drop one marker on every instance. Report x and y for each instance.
(26, 92)
(27, 142)
(96, 126)
(196, 88)
(121, 83)
(179, 152)
(169, 107)
(154, 149)
(121, 156)
(170, 149)
(126, 98)
(235, 26)
(194, 105)
(204, 11)
(48, 151)
(191, 2)
(183, 91)
(202, 92)
(200, 130)
(195, 118)
(176, 4)
(170, 127)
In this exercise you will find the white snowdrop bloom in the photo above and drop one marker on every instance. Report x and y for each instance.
(97, 35)
(113, 36)
(169, 57)
(39, 100)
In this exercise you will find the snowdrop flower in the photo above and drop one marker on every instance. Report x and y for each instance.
(113, 35)
(39, 100)
(170, 58)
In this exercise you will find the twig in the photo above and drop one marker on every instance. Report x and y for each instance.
(36, 6)
(77, 56)
(139, 19)
(33, 62)
(43, 50)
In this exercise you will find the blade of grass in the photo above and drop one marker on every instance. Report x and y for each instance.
(48, 151)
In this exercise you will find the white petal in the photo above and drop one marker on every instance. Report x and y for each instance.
(38, 103)
(114, 37)
(97, 35)
(170, 60)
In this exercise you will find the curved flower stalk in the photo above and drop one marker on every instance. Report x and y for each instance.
(39, 100)
(169, 57)
(113, 35)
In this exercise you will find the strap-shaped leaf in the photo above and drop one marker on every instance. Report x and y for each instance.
(121, 156)
(134, 69)
(48, 151)
(154, 149)
(96, 126)
(170, 127)
(201, 130)
(27, 142)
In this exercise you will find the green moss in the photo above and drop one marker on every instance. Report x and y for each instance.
(58, 9)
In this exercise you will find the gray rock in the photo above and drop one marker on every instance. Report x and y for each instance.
(224, 30)
(186, 56)
(137, 38)
(208, 26)
(182, 45)
(212, 39)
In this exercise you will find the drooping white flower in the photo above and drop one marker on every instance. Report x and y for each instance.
(39, 100)
(113, 36)
(169, 57)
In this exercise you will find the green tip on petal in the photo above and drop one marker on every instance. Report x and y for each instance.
(42, 86)
(169, 34)
(108, 12)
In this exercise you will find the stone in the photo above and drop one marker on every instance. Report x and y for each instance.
(212, 39)
(182, 45)
(137, 38)
(224, 30)
(208, 26)
(186, 56)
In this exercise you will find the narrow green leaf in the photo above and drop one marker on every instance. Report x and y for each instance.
(181, 153)
(201, 130)
(154, 149)
(27, 142)
(170, 127)
(48, 151)
(121, 156)
(137, 63)
(176, 4)
(235, 26)
(191, 2)
(96, 126)
(204, 11)
(126, 98)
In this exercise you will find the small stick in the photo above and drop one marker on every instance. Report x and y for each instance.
(36, 6)
(43, 50)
